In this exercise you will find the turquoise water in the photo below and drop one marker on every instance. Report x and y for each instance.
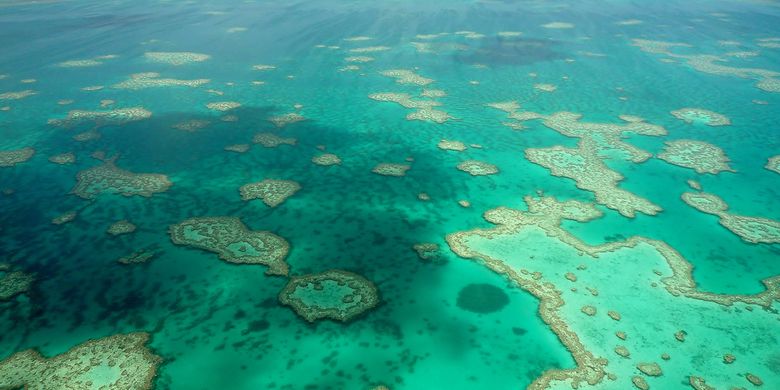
(219, 325)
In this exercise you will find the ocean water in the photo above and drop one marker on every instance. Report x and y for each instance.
(451, 321)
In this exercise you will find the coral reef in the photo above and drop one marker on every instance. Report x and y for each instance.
(65, 218)
(335, 294)
(751, 229)
(108, 178)
(766, 80)
(427, 250)
(191, 125)
(114, 117)
(121, 227)
(271, 192)
(17, 95)
(138, 257)
(326, 159)
(270, 140)
(773, 164)
(233, 242)
(700, 115)
(591, 174)
(388, 169)
(604, 136)
(120, 361)
(451, 145)
(369, 49)
(286, 119)
(223, 106)
(153, 80)
(238, 148)
(478, 168)
(9, 158)
(697, 155)
(405, 76)
(175, 58)
(423, 108)
(558, 25)
(529, 248)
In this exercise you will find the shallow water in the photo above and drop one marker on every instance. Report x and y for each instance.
(220, 325)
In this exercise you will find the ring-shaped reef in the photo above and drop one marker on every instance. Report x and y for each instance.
(122, 361)
(334, 294)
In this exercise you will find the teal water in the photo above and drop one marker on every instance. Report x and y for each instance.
(218, 325)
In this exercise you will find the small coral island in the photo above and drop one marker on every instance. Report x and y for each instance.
(335, 294)
(233, 242)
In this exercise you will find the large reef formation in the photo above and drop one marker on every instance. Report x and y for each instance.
(754, 230)
(605, 136)
(233, 242)
(577, 284)
(115, 117)
(589, 171)
(9, 158)
(700, 156)
(121, 361)
(585, 164)
(108, 178)
(767, 80)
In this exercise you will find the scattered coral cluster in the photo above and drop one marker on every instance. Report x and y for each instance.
(766, 80)
(424, 109)
(605, 136)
